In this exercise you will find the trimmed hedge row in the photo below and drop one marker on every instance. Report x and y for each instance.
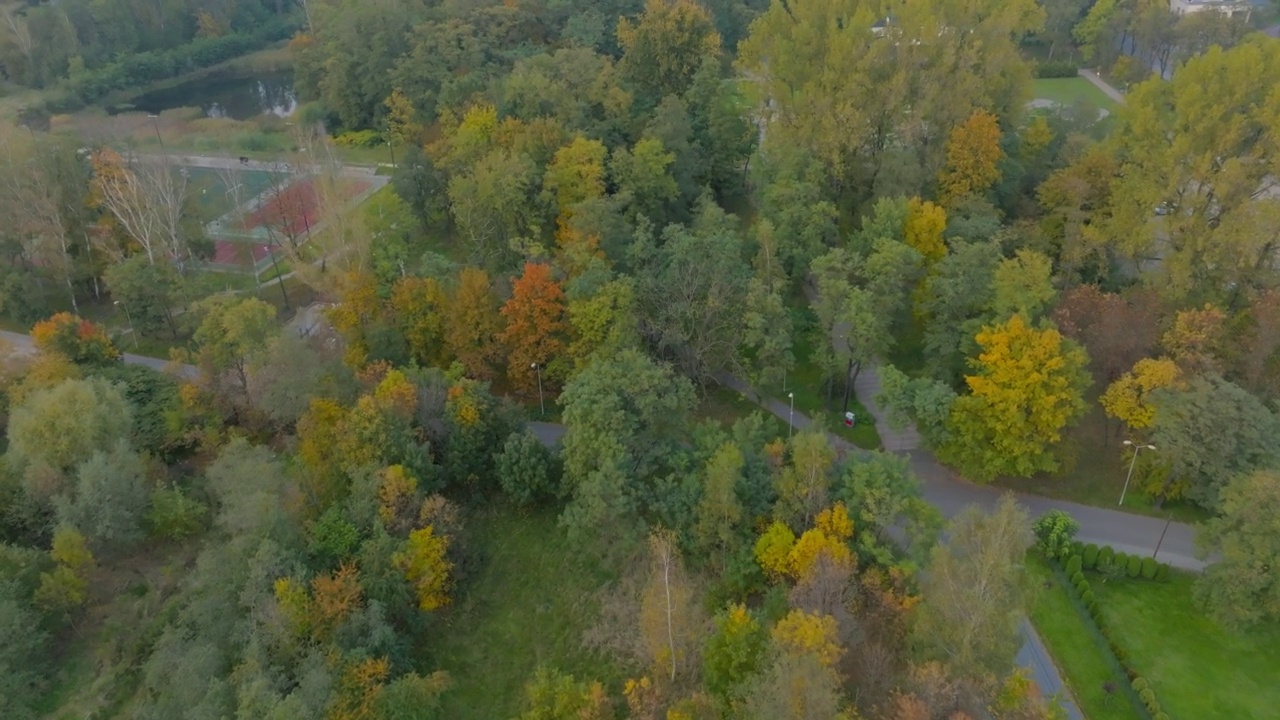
(1134, 567)
(1103, 559)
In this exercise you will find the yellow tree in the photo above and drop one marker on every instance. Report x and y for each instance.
(418, 307)
(576, 173)
(355, 314)
(1128, 399)
(973, 158)
(473, 323)
(1197, 339)
(426, 566)
(806, 633)
(923, 230)
(1026, 388)
(66, 587)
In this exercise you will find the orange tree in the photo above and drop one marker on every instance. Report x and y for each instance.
(75, 338)
(536, 326)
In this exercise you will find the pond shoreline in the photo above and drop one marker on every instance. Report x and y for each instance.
(275, 59)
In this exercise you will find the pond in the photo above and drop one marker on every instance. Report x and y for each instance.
(231, 95)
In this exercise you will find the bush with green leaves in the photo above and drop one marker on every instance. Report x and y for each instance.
(1077, 577)
(1162, 572)
(1139, 684)
(1074, 565)
(174, 515)
(1106, 556)
(1054, 531)
(1149, 568)
(1089, 558)
(1133, 566)
(1147, 695)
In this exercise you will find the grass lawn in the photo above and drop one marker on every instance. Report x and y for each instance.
(1075, 650)
(1199, 671)
(527, 604)
(1069, 91)
(726, 406)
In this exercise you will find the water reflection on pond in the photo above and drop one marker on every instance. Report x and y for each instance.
(239, 97)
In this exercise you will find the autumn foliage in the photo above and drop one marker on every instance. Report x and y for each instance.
(536, 326)
(973, 159)
(75, 338)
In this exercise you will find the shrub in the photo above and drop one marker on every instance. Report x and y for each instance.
(1081, 587)
(1134, 566)
(1147, 695)
(1140, 683)
(1074, 565)
(1089, 557)
(1057, 69)
(1087, 596)
(1162, 571)
(1149, 568)
(1105, 557)
(1054, 531)
(1077, 547)
(1161, 716)
(1077, 577)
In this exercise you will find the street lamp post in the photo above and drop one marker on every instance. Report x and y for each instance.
(1132, 462)
(133, 333)
(542, 403)
(156, 126)
(791, 416)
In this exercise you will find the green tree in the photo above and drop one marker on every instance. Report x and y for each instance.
(1023, 285)
(664, 47)
(1210, 433)
(719, 510)
(110, 499)
(975, 591)
(527, 470)
(24, 651)
(57, 429)
(884, 496)
(604, 322)
(232, 332)
(733, 652)
(691, 298)
(492, 206)
(576, 173)
(66, 587)
(624, 417)
(148, 291)
(851, 125)
(1028, 385)
(955, 307)
(1200, 156)
(645, 186)
(1237, 588)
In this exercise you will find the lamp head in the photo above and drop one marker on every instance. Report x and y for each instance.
(1128, 442)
